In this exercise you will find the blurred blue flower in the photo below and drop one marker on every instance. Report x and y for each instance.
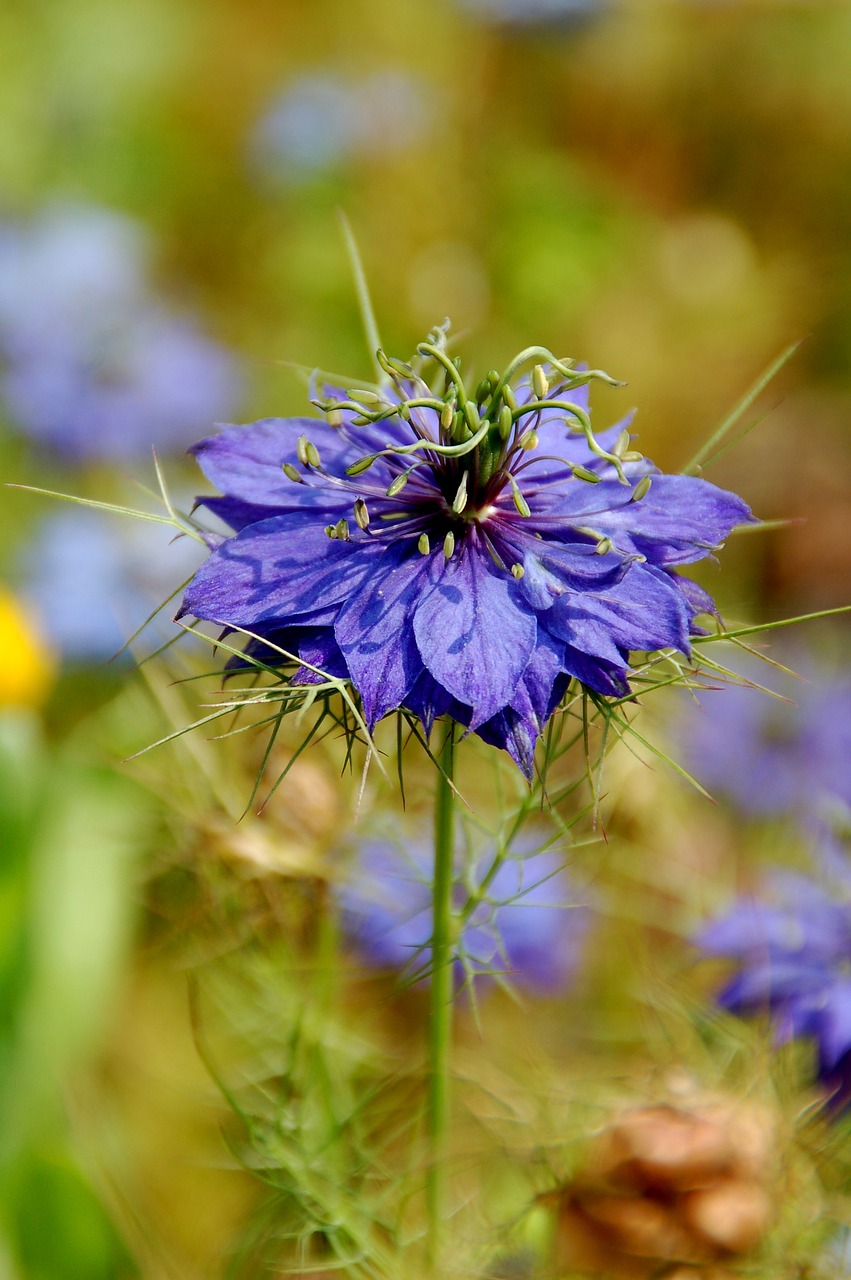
(320, 120)
(526, 13)
(771, 756)
(90, 364)
(793, 948)
(92, 581)
(530, 923)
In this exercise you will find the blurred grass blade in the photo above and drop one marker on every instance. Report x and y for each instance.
(744, 404)
(367, 313)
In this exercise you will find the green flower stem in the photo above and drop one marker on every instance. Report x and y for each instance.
(441, 1000)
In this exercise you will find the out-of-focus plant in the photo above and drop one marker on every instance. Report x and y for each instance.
(91, 363)
(70, 832)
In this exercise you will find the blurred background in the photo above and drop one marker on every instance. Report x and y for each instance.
(661, 189)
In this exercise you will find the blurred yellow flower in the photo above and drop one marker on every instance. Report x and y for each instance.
(27, 666)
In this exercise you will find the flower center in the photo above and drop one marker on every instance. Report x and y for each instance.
(469, 445)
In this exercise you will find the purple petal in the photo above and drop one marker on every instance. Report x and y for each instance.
(278, 569)
(473, 632)
(835, 1030)
(319, 649)
(373, 630)
(678, 521)
(643, 611)
(427, 699)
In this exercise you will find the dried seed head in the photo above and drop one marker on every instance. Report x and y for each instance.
(665, 1185)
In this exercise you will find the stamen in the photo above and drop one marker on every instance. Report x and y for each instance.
(621, 445)
(447, 415)
(449, 545)
(528, 440)
(291, 473)
(540, 385)
(603, 547)
(342, 529)
(517, 571)
(641, 489)
(423, 544)
(362, 396)
(583, 473)
(520, 503)
(460, 500)
(361, 465)
(471, 415)
(361, 514)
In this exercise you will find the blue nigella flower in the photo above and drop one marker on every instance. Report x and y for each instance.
(526, 13)
(90, 363)
(793, 948)
(772, 756)
(320, 120)
(530, 923)
(457, 554)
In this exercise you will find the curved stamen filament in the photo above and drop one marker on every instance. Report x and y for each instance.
(535, 406)
(444, 450)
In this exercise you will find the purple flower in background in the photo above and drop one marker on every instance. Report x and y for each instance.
(793, 948)
(90, 364)
(528, 13)
(321, 119)
(468, 563)
(93, 581)
(773, 756)
(530, 922)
